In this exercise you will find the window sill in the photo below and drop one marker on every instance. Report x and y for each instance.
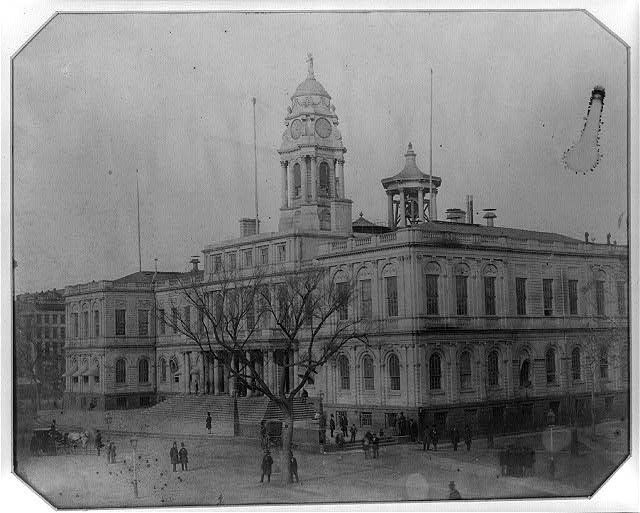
(437, 392)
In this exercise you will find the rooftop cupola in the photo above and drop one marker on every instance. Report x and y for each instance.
(408, 194)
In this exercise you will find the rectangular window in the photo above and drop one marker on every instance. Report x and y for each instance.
(489, 295)
(573, 297)
(121, 326)
(145, 401)
(547, 296)
(96, 323)
(600, 297)
(163, 323)
(232, 261)
(392, 296)
(46, 318)
(432, 294)
(121, 403)
(54, 332)
(62, 319)
(365, 418)
(174, 319)
(85, 380)
(461, 295)
(365, 299)
(521, 296)
(143, 322)
(282, 252)
(187, 317)
(264, 255)
(62, 332)
(46, 332)
(217, 263)
(621, 287)
(200, 320)
(74, 321)
(85, 324)
(250, 313)
(342, 294)
(39, 319)
(38, 332)
(247, 258)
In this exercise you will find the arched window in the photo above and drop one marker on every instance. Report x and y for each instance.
(343, 370)
(323, 179)
(121, 371)
(432, 271)
(435, 372)
(296, 178)
(173, 366)
(394, 372)
(550, 364)
(576, 371)
(367, 372)
(524, 373)
(604, 363)
(492, 369)
(465, 370)
(163, 370)
(143, 371)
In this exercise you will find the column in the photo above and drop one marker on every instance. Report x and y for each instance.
(391, 222)
(270, 373)
(421, 205)
(332, 180)
(304, 173)
(291, 186)
(403, 214)
(249, 380)
(283, 185)
(340, 192)
(187, 374)
(314, 178)
(202, 379)
(215, 376)
(435, 205)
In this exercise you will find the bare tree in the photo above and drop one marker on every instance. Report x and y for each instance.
(306, 307)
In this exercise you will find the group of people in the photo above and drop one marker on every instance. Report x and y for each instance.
(344, 427)
(431, 437)
(370, 441)
(407, 427)
(267, 464)
(179, 456)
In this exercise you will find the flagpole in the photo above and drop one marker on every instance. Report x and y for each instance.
(255, 165)
(431, 218)
(138, 197)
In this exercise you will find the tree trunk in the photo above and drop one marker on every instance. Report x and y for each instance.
(287, 439)
(593, 405)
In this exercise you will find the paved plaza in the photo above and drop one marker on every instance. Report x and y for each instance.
(227, 471)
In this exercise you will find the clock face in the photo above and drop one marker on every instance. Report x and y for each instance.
(323, 127)
(296, 128)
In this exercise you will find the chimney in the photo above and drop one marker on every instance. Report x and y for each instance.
(586, 237)
(194, 263)
(455, 215)
(490, 216)
(470, 208)
(247, 227)
(608, 238)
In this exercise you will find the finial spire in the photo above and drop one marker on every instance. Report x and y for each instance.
(310, 66)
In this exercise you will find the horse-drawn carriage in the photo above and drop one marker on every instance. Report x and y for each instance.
(50, 442)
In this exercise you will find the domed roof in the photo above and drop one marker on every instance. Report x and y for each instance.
(310, 87)
(410, 171)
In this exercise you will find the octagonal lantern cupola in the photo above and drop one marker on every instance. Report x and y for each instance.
(312, 162)
(409, 194)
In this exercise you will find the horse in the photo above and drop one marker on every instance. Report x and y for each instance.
(76, 439)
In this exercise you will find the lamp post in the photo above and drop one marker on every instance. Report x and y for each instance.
(551, 420)
(134, 444)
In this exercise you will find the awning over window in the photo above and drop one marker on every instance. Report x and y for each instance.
(81, 371)
(71, 371)
(93, 371)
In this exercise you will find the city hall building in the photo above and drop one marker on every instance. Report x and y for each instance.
(465, 322)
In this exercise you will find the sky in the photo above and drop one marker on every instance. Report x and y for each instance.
(97, 96)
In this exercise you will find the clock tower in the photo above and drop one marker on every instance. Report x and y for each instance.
(312, 163)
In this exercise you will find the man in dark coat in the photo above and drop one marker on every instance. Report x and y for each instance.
(401, 424)
(354, 430)
(375, 443)
(293, 468)
(332, 425)
(467, 437)
(183, 457)
(455, 438)
(208, 422)
(434, 438)
(267, 461)
(426, 438)
(345, 426)
(99, 444)
(453, 493)
(173, 454)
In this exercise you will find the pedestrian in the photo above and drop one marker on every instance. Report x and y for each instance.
(455, 438)
(113, 452)
(53, 428)
(414, 431)
(434, 438)
(345, 426)
(365, 447)
(467, 437)
(293, 468)
(332, 425)
(208, 422)
(401, 424)
(375, 443)
(109, 452)
(354, 430)
(183, 457)
(426, 438)
(267, 461)
(98, 442)
(173, 454)
(453, 493)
